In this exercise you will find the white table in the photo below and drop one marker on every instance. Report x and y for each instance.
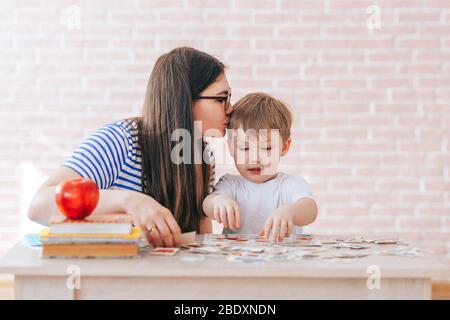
(158, 277)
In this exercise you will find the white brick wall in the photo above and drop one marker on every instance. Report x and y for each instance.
(372, 106)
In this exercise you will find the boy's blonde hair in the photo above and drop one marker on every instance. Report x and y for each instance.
(261, 111)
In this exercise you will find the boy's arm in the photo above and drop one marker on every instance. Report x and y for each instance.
(208, 205)
(222, 209)
(303, 211)
(280, 223)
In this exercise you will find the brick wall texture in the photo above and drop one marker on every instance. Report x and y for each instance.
(368, 83)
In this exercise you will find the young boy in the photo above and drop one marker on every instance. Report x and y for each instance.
(260, 199)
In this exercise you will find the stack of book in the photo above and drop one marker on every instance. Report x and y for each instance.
(107, 235)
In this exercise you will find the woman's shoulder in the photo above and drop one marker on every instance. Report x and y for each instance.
(126, 133)
(128, 127)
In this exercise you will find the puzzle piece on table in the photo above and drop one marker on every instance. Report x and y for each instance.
(187, 238)
(205, 250)
(349, 255)
(404, 252)
(161, 251)
(350, 246)
(386, 241)
(302, 242)
(328, 241)
(246, 259)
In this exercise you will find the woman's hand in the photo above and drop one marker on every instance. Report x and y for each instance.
(155, 220)
(278, 225)
(226, 211)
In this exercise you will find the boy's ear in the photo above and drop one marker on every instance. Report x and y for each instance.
(286, 147)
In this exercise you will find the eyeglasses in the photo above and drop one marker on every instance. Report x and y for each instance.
(226, 99)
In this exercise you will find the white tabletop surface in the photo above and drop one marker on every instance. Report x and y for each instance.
(21, 260)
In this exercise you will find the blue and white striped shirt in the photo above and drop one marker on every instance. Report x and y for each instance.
(111, 157)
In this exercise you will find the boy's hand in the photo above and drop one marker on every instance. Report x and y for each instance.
(226, 211)
(278, 225)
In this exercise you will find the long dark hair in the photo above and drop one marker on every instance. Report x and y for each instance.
(176, 79)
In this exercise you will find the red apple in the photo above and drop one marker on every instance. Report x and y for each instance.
(77, 198)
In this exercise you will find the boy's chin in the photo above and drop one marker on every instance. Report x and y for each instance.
(260, 178)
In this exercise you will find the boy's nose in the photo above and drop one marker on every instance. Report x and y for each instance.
(253, 157)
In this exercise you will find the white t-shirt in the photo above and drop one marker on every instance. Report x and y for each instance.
(258, 200)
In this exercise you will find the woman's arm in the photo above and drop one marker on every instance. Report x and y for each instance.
(146, 211)
(206, 225)
(43, 204)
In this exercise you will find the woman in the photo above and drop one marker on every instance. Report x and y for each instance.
(130, 160)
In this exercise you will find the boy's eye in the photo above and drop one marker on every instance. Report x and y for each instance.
(267, 148)
(244, 148)
(220, 100)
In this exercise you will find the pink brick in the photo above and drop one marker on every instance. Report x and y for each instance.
(275, 17)
(422, 199)
(435, 82)
(352, 185)
(420, 120)
(441, 4)
(205, 32)
(421, 69)
(391, 211)
(390, 83)
(397, 185)
(419, 43)
(226, 44)
(365, 96)
(346, 134)
(291, 57)
(251, 31)
(325, 70)
(420, 223)
(298, 84)
(390, 56)
(298, 31)
(345, 31)
(372, 121)
(347, 108)
(302, 5)
(326, 44)
(210, 5)
(249, 4)
(358, 160)
(276, 44)
(347, 83)
(343, 57)
(156, 4)
(348, 4)
(236, 16)
(419, 17)
(280, 71)
(322, 17)
(369, 70)
(434, 30)
(249, 57)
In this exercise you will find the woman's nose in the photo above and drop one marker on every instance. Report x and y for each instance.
(230, 109)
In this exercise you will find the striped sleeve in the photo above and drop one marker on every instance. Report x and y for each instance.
(101, 156)
(212, 162)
